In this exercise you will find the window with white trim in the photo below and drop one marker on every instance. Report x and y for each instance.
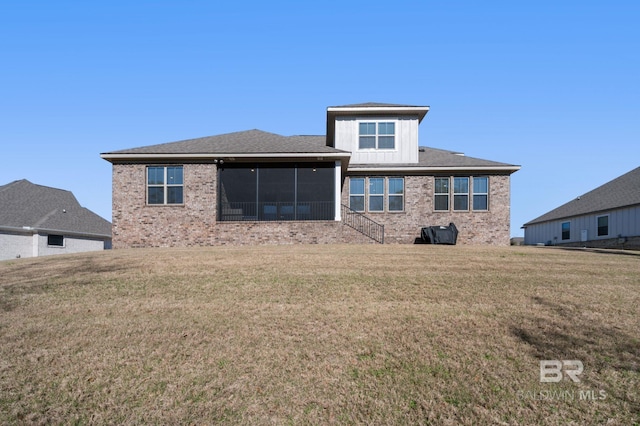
(376, 135)
(356, 194)
(376, 194)
(441, 201)
(396, 194)
(481, 193)
(165, 185)
(457, 197)
(381, 194)
(603, 225)
(460, 193)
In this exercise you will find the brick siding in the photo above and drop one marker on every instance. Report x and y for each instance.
(136, 224)
(490, 227)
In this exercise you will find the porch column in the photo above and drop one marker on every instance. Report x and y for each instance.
(337, 190)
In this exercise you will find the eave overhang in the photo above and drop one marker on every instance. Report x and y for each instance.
(111, 157)
(37, 230)
(435, 169)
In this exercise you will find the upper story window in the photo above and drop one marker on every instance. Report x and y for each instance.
(165, 185)
(377, 135)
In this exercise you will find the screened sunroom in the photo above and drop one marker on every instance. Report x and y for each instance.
(277, 191)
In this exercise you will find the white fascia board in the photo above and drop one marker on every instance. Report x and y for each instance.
(36, 230)
(379, 109)
(224, 155)
(18, 230)
(434, 169)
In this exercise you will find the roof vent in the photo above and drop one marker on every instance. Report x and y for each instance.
(421, 149)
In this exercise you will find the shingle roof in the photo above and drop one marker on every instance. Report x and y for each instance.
(374, 105)
(246, 142)
(24, 204)
(441, 158)
(620, 192)
(433, 157)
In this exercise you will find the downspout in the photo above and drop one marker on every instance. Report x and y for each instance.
(337, 191)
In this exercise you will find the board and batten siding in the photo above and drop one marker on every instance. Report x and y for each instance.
(406, 140)
(624, 222)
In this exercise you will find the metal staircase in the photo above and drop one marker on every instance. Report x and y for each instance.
(362, 224)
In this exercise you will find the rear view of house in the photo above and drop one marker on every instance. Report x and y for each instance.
(37, 220)
(367, 180)
(608, 216)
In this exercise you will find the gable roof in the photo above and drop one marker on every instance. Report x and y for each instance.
(247, 143)
(435, 160)
(27, 206)
(621, 192)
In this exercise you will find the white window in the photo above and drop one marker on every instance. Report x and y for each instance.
(481, 193)
(381, 193)
(376, 194)
(377, 135)
(396, 194)
(165, 185)
(356, 194)
(441, 201)
(460, 192)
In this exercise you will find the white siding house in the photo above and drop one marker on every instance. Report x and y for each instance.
(405, 139)
(608, 216)
(38, 220)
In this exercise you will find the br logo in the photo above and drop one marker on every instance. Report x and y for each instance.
(554, 370)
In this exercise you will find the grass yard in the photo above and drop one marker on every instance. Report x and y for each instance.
(320, 335)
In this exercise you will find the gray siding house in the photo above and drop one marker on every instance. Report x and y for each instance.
(37, 220)
(367, 180)
(608, 216)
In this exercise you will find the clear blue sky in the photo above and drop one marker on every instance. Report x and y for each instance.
(553, 86)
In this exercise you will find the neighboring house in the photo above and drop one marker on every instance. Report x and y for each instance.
(38, 220)
(608, 216)
(367, 180)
